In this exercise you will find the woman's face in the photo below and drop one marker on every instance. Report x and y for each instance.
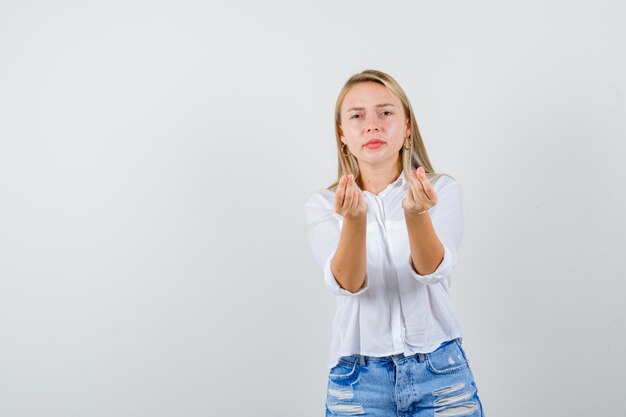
(371, 112)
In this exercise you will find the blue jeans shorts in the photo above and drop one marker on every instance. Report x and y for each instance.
(438, 383)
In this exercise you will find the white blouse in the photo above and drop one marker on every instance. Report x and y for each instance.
(396, 310)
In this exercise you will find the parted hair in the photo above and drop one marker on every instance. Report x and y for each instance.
(411, 158)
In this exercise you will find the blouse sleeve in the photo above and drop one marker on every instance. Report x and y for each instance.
(447, 219)
(323, 229)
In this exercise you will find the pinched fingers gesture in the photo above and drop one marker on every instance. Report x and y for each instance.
(421, 196)
(349, 199)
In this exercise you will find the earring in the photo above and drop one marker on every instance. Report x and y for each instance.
(342, 150)
(407, 144)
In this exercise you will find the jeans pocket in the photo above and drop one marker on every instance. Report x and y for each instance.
(469, 367)
(346, 369)
(448, 358)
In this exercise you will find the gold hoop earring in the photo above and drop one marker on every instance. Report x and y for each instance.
(407, 144)
(342, 150)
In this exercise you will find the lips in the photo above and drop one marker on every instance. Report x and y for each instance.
(374, 142)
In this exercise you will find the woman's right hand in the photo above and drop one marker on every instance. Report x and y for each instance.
(349, 199)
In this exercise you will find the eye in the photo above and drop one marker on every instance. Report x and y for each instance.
(355, 116)
(387, 113)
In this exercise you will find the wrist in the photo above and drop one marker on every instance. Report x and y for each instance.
(416, 213)
(355, 220)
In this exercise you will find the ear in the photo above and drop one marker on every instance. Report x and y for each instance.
(340, 132)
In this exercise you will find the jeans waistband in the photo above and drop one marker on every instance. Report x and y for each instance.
(399, 357)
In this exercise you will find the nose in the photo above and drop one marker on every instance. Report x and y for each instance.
(372, 124)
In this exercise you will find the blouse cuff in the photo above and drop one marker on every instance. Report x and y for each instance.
(441, 272)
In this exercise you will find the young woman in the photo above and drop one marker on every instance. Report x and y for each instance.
(387, 235)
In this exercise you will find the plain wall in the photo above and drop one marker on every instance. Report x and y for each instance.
(154, 162)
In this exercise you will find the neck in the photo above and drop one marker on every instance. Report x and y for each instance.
(376, 178)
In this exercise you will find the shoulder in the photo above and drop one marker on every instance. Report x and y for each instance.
(320, 206)
(322, 198)
(445, 181)
(449, 195)
(447, 186)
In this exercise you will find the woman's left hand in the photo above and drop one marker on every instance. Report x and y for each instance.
(421, 196)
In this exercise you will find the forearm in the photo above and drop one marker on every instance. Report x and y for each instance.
(426, 248)
(349, 263)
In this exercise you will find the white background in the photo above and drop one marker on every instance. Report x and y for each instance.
(154, 162)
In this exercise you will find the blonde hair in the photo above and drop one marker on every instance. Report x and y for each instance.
(412, 158)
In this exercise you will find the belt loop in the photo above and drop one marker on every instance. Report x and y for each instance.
(362, 360)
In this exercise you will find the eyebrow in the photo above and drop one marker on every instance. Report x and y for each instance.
(363, 108)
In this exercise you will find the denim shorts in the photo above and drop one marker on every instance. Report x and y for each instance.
(438, 383)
